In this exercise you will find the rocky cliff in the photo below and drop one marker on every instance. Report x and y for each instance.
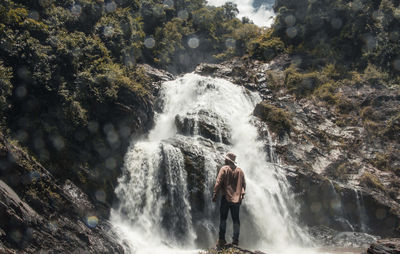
(345, 174)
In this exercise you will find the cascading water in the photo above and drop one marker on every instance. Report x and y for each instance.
(168, 176)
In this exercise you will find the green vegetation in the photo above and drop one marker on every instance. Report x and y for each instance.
(71, 89)
(342, 170)
(371, 181)
(278, 119)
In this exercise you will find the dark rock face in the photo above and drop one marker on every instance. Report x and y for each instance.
(204, 123)
(39, 213)
(385, 246)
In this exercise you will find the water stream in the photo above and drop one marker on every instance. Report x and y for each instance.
(168, 175)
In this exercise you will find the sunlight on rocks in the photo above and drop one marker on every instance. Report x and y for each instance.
(193, 42)
(183, 14)
(291, 32)
(149, 42)
(92, 221)
(111, 7)
(76, 10)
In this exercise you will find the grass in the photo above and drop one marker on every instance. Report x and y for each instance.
(279, 121)
(372, 181)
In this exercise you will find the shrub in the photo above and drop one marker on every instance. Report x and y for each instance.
(5, 88)
(392, 128)
(301, 84)
(279, 121)
(369, 180)
(265, 47)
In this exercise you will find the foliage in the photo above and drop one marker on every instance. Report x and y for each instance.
(369, 180)
(266, 46)
(5, 88)
(279, 120)
(301, 84)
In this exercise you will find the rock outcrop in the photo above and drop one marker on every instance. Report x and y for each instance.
(341, 168)
(229, 249)
(41, 213)
(385, 246)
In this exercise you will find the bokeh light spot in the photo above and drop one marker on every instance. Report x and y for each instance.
(92, 221)
(291, 32)
(111, 6)
(23, 73)
(34, 15)
(149, 43)
(230, 43)
(21, 91)
(76, 10)
(193, 42)
(290, 20)
(183, 14)
(100, 196)
(336, 23)
(168, 3)
(108, 31)
(396, 64)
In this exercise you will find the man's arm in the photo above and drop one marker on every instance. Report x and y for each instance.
(243, 185)
(218, 183)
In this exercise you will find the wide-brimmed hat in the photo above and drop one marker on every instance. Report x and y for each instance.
(231, 157)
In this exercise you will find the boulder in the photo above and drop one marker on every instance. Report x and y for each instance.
(385, 246)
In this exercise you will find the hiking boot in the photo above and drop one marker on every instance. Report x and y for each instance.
(221, 243)
(235, 243)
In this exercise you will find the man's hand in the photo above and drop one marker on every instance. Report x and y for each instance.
(242, 196)
(214, 198)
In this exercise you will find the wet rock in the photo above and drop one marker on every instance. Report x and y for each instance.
(385, 246)
(204, 123)
(37, 214)
(232, 250)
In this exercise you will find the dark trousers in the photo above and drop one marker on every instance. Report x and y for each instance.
(223, 212)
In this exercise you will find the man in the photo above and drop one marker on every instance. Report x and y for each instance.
(232, 184)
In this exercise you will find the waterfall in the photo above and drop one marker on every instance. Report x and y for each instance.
(168, 175)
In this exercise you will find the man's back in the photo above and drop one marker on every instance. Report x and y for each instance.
(231, 182)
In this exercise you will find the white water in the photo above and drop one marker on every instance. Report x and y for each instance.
(155, 214)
